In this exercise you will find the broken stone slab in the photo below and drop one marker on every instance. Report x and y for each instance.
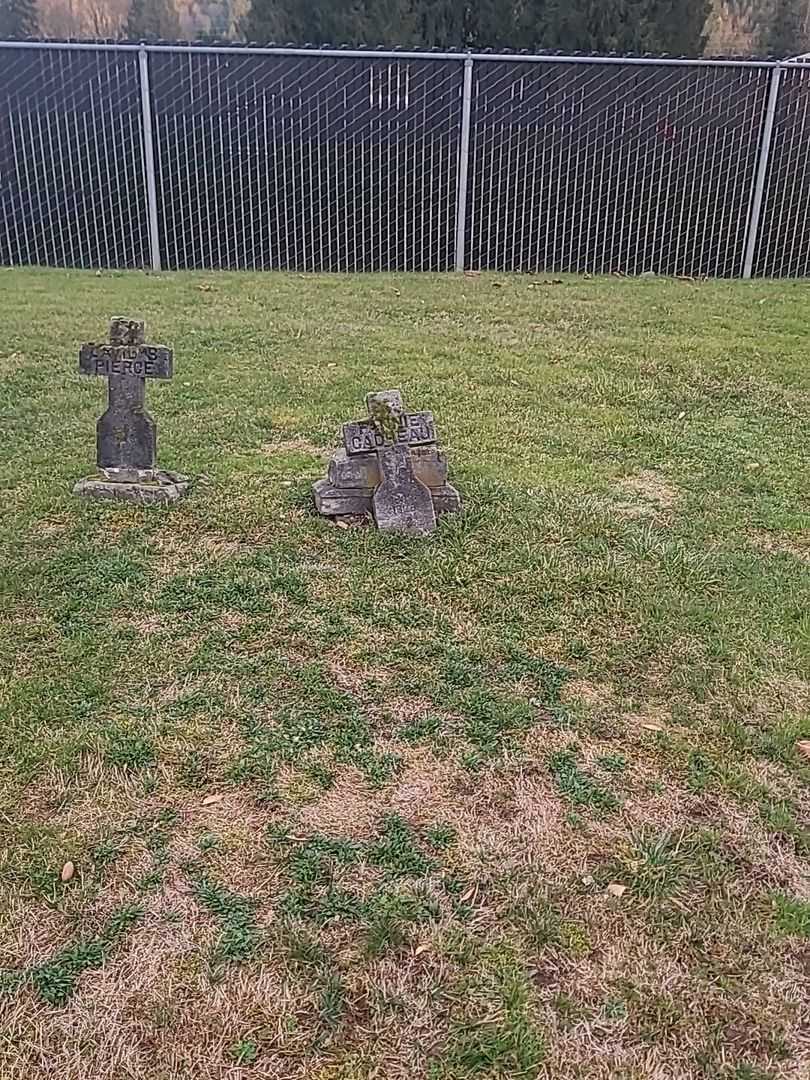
(363, 470)
(334, 501)
(389, 468)
(159, 489)
(401, 502)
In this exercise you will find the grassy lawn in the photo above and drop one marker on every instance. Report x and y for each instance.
(522, 799)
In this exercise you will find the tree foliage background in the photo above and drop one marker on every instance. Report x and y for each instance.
(657, 26)
(18, 19)
(677, 27)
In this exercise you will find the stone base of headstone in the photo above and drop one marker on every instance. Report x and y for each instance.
(334, 501)
(363, 470)
(157, 488)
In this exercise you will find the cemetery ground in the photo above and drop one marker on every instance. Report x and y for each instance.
(526, 798)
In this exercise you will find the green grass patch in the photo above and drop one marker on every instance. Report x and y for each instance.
(792, 916)
(240, 935)
(577, 784)
(55, 980)
(512, 1045)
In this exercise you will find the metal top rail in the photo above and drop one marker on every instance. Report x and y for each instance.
(401, 54)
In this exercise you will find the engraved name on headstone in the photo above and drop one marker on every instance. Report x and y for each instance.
(413, 429)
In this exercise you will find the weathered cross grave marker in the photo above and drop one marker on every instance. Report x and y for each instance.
(390, 467)
(126, 433)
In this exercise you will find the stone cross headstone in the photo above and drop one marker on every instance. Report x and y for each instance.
(390, 467)
(401, 502)
(126, 433)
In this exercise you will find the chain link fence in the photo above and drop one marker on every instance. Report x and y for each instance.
(315, 163)
(181, 157)
(72, 169)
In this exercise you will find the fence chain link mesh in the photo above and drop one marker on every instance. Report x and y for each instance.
(783, 248)
(322, 161)
(315, 163)
(612, 169)
(71, 160)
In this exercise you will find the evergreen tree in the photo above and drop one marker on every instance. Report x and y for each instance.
(336, 22)
(677, 27)
(18, 19)
(672, 26)
(784, 35)
(621, 26)
(152, 20)
(495, 24)
(443, 25)
(587, 25)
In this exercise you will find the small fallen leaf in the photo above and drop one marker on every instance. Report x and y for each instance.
(615, 889)
(803, 747)
(681, 415)
(341, 524)
(468, 895)
(653, 727)
(205, 287)
(209, 800)
(420, 949)
(286, 483)
(588, 880)
(68, 870)
(331, 365)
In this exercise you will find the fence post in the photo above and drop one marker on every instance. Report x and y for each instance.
(149, 159)
(758, 190)
(463, 164)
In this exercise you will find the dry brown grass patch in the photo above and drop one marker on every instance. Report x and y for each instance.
(597, 696)
(299, 444)
(649, 493)
(50, 527)
(146, 624)
(347, 810)
(358, 679)
(783, 544)
(176, 552)
(29, 933)
(788, 692)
